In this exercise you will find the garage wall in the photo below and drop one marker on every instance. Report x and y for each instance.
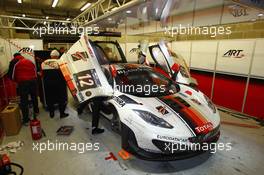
(230, 72)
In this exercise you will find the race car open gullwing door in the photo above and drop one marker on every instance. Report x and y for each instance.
(161, 57)
(164, 59)
(83, 72)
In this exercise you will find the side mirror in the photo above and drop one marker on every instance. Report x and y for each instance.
(175, 67)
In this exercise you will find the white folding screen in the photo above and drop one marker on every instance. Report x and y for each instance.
(237, 56)
(203, 54)
(183, 49)
(234, 56)
(258, 61)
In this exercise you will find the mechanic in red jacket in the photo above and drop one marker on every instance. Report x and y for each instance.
(23, 72)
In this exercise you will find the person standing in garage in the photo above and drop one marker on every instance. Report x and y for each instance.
(96, 104)
(54, 85)
(23, 72)
(96, 107)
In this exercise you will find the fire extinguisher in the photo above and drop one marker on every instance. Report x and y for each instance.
(35, 127)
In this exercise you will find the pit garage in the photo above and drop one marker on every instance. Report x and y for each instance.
(131, 87)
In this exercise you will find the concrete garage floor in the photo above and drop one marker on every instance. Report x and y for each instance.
(246, 156)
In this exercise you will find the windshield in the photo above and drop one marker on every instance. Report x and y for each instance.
(144, 83)
(109, 51)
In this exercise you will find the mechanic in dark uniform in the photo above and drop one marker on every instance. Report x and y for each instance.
(96, 104)
(23, 72)
(96, 107)
(54, 85)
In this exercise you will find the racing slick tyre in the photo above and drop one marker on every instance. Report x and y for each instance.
(115, 121)
(128, 139)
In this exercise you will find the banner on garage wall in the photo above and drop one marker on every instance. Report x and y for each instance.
(26, 47)
(10, 46)
(234, 56)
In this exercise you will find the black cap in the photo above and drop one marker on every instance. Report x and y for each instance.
(16, 54)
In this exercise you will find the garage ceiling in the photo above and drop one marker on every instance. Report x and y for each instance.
(42, 8)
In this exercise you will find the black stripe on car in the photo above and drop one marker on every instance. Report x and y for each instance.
(177, 108)
(182, 101)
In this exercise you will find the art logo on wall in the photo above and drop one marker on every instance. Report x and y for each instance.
(234, 53)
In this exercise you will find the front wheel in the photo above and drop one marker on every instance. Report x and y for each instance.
(129, 142)
(115, 122)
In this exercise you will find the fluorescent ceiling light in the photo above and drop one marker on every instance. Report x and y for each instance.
(128, 11)
(144, 10)
(260, 14)
(156, 10)
(113, 9)
(55, 2)
(24, 15)
(47, 17)
(85, 6)
(19, 1)
(68, 19)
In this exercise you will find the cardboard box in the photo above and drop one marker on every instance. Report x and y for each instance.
(11, 120)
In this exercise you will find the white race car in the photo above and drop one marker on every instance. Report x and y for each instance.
(155, 116)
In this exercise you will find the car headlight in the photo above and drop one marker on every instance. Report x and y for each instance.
(210, 104)
(152, 119)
